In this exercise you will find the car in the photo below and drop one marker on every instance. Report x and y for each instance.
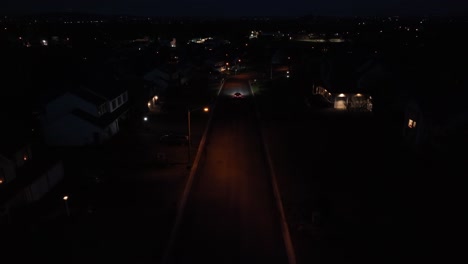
(174, 139)
(238, 95)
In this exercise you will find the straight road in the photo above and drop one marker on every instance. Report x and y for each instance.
(231, 215)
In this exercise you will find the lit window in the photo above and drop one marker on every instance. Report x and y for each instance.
(411, 123)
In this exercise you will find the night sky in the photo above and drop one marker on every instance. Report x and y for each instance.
(234, 8)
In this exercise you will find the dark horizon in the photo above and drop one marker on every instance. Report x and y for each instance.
(51, 14)
(244, 8)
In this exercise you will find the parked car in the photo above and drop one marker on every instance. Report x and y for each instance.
(174, 139)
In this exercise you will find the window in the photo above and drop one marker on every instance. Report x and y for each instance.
(120, 100)
(102, 109)
(125, 97)
(411, 123)
(114, 104)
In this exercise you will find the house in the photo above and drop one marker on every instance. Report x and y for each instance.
(423, 93)
(24, 178)
(185, 72)
(435, 116)
(339, 84)
(166, 75)
(85, 115)
(218, 66)
(158, 80)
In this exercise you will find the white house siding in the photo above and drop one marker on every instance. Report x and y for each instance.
(38, 188)
(21, 154)
(41, 186)
(155, 75)
(20, 199)
(46, 182)
(118, 102)
(8, 169)
(72, 131)
(159, 79)
(340, 103)
(353, 102)
(65, 104)
(55, 174)
(113, 128)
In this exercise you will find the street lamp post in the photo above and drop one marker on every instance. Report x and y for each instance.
(189, 131)
(67, 209)
(271, 71)
(236, 66)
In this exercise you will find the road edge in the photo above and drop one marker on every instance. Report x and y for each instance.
(188, 186)
(284, 224)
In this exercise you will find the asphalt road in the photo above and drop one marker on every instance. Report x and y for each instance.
(231, 215)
